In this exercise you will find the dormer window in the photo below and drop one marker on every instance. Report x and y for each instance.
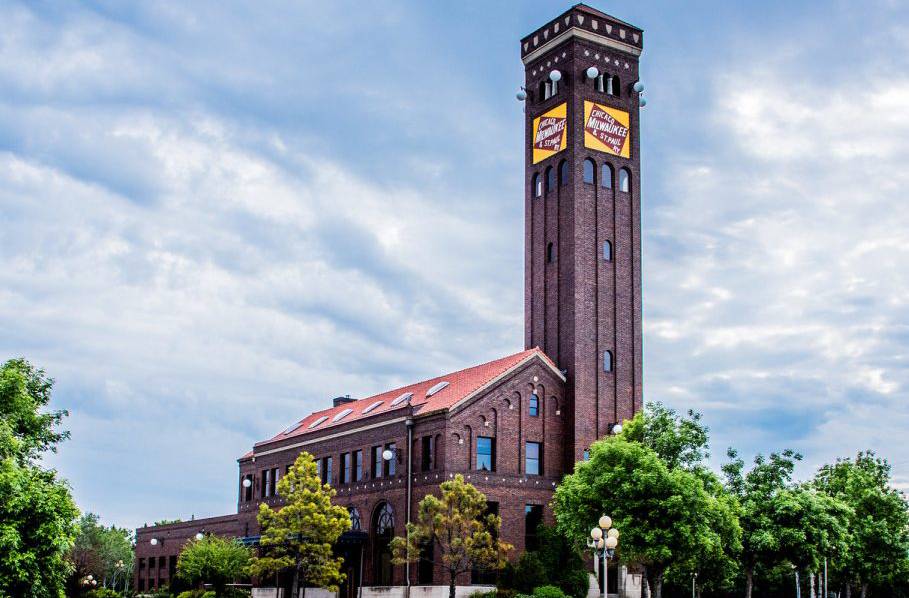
(371, 407)
(436, 388)
(341, 415)
(318, 422)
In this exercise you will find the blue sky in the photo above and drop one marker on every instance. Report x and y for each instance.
(216, 216)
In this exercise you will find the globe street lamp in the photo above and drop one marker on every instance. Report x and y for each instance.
(603, 540)
(119, 569)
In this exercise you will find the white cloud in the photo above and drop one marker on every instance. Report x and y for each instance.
(798, 213)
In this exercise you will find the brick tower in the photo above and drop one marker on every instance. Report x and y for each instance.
(582, 302)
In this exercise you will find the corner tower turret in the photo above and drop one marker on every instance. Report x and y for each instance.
(582, 301)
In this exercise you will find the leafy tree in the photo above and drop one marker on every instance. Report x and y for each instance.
(37, 512)
(878, 520)
(681, 442)
(757, 492)
(299, 537)
(25, 430)
(810, 525)
(98, 550)
(714, 562)
(463, 536)
(663, 514)
(213, 560)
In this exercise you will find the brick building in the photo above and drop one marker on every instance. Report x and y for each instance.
(516, 425)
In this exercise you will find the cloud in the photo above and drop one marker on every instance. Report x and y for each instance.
(776, 288)
(215, 218)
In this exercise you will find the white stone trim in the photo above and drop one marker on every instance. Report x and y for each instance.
(585, 35)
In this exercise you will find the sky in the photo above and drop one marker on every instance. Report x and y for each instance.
(216, 216)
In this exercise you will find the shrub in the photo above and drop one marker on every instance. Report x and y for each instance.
(548, 592)
(575, 583)
(103, 593)
(529, 573)
(191, 594)
(492, 594)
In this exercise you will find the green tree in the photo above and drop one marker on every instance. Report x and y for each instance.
(811, 525)
(878, 520)
(681, 442)
(98, 550)
(299, 537)
(463, 535)
(757, 492)
(25, 430)
(663, 514)
(213, 560)
(37, 512)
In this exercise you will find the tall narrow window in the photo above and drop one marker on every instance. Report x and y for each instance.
(358, 465)
(326, 470)
(607, 251)
(550, 179)
(266, 483)
(607, 361)
(390, 464)
(589, 171)
(624, 180)
(549, 253)
(533, 459)
(536, 184)
(563, 172)
(247, 488)
(534, 405)
(533, 517)
(274, 481)
(377, 462)
(544, 91)
(344, 473)
(486, 453)
(426, 453)
(606, 177)
(615, 87)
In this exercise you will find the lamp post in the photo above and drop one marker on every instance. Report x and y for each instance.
(603, 540)
(119, 569)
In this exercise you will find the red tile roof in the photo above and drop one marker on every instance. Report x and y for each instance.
(461, 385)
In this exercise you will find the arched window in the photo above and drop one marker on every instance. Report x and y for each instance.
(563, 172)
(383, 525)
(534, 405)
(607, 251)
(550, 179)
(624, 180)
(543, 91)
(607, 176)
(549, 252)
(354, 518)
(607, 361)
(536, 183)
(589, 171)
(614, 88)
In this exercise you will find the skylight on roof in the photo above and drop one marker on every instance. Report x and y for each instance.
(317, 422)
(436, 388)
(373, 406)
(342, 415)
(291, 428)
(404, 397)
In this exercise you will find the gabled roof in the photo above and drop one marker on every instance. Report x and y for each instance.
(462, 385)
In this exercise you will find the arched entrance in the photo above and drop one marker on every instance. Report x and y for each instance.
(383, 530)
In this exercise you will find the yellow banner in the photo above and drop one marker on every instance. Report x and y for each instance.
(607, 129)
(549, 134)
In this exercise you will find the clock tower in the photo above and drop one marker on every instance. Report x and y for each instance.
(582, 302)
